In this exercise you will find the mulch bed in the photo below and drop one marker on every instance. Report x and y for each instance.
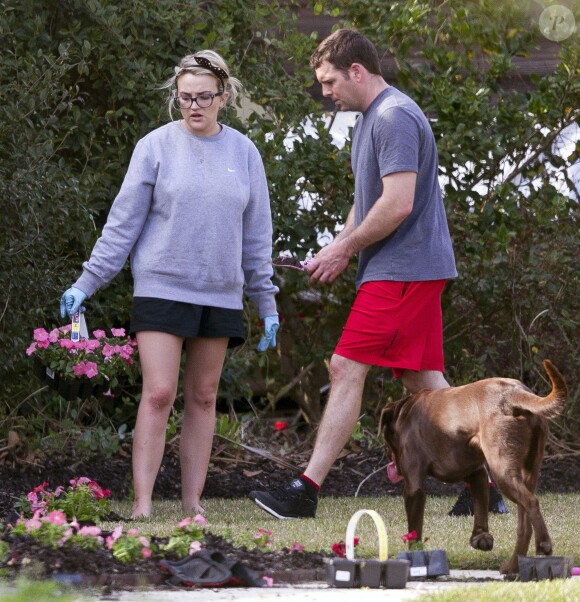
(233, 473)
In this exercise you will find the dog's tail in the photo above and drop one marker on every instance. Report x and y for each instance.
(554, 403)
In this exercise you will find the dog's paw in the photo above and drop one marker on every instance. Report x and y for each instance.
(509, 568)
(482, 541)
(544, 548)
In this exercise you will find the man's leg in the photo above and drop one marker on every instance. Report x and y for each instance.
(423, 379)
(299, 498)
(347, 379)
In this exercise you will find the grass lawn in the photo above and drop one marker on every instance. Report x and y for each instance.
(239, 519)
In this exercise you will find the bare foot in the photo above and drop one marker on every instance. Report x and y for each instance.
(193, 509)
(141, 511)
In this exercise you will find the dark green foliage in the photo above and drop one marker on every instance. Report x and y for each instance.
(80, 85)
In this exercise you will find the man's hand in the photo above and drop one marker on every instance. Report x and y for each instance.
(328, 263)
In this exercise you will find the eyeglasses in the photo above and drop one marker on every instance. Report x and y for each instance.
(203, 100)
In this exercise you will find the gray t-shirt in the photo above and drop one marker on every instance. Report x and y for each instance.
(393, 135)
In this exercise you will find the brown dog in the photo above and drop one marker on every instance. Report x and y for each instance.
(451, 434)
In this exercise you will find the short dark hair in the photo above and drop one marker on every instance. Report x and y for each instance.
(345, 47)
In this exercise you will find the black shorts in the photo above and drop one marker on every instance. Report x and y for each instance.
(187, 320)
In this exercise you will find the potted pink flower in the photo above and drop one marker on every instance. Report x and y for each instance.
(86, 367)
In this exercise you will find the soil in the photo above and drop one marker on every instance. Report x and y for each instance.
(234, 471)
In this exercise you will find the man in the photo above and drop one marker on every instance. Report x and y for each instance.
(399, 230)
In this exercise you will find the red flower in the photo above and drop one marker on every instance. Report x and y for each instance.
(409, 537)
(97, 491)
(280, 426)
(340, 548)
(40, 487)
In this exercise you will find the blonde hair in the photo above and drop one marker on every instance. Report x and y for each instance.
(188, 64)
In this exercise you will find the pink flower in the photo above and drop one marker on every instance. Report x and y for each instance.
(31, 349)
(67, 344)
(132, 532)
(53, 335)
(99, 334)
(56, 517)
(43, 344)
(92, 370)
(80, 369)
(261, 532)
(269, 581)
(262, 537)
(66, 328)
(184, 522)
(90, 531)
(89, 369)
(80, 481)
(93, 344)
(118, 332)
(108, 351)
(200, 520)
(146, 552)
(194, 547)
(40, 334)
(68, 533)
(33, 524)
(126, 352)
(114, 536)
(296, 547)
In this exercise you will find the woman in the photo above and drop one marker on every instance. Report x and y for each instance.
(194, 215)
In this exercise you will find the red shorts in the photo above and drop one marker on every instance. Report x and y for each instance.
(397, 325)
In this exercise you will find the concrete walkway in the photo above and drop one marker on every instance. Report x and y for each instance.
(285, 592)
(306, 592)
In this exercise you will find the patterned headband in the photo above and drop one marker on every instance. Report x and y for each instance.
(217, 71)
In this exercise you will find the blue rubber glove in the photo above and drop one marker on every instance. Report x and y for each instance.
(271, 325)
(71, 301)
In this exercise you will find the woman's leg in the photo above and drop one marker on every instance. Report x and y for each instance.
(160, 355)
(205, 359)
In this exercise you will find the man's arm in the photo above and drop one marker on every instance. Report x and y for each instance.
(347, 228)
(386, 215)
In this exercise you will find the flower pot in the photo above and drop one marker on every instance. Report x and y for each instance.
(372, 573)
(341, 572)
(79, 388)
(537, 568)
(426, 563)
(396, 574)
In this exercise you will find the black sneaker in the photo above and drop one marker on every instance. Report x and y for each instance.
(298, 499)
(464, 504)
(496, 503)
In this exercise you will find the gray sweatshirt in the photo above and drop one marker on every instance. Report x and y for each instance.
(193, 213)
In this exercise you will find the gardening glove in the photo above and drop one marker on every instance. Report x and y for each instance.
(71, 301)
(271, 325)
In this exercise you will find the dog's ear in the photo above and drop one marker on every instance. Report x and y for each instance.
(387, 425)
